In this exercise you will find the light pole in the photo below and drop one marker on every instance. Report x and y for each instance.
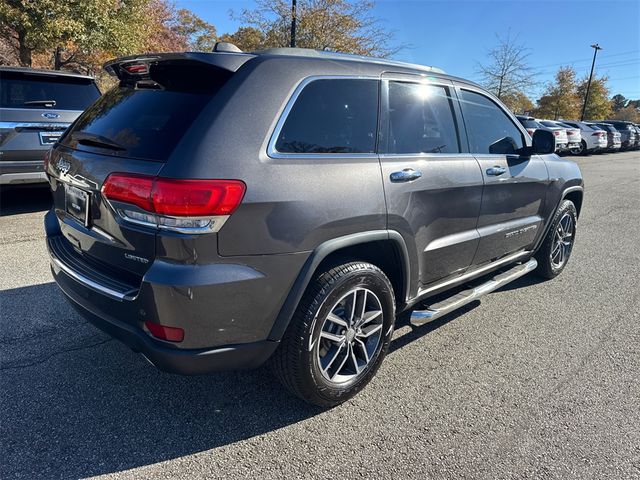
(293, 23)
(596, 47)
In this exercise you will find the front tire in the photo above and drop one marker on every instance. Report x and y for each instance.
(555, 251)
(338, 336)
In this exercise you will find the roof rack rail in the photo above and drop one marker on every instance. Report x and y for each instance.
(309, 52)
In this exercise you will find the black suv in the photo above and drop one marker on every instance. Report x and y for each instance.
(36, 106)
(218, 210)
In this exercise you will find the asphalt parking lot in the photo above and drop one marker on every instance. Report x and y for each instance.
(539, 380)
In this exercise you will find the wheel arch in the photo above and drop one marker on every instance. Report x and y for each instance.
(575, 194)
(384, 248)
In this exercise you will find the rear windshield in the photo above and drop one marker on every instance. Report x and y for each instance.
(24, 90)
(146, 119)
(529, 123)
(549, 124)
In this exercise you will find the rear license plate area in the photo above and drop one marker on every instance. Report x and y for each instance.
(49, 138)
(77, 203)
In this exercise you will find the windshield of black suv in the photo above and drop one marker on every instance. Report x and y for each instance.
(28, 90)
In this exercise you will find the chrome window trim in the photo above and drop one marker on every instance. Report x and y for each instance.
(272, 152)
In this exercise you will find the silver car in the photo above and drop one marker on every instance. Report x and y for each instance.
(36, 106)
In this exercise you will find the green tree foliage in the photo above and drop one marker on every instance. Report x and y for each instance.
(200, 35)
(81, 35)
(247, 39)
(598, 104)
(630, 113)
(518, 102)
(338, 25)
(618, 102)
(560, 98)
(507, 73)
(84, 26)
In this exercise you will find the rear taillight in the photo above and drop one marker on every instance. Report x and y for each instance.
(137, 68)
(132, 189)
(530, 131)
(196, 198)
(170, 334)
(188, 206)
(557, 133)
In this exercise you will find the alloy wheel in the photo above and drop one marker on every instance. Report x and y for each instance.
(350, 335)
(562, 241)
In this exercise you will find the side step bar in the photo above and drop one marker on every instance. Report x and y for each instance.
(437, 310)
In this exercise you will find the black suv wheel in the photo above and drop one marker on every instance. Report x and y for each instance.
(338, 336)
(558, 244)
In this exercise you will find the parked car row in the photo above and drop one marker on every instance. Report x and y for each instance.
(581, 138)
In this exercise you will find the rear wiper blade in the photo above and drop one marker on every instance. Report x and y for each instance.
(91, 139)
(45, 103)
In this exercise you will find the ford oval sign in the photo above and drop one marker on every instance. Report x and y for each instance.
(51, 115)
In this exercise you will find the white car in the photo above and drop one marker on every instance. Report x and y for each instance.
(562, 140)
(593, 138)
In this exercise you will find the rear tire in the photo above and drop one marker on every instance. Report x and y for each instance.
(338, 336)
(581, 150)
(555, 251)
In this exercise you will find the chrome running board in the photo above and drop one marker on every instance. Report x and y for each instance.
(437, 310)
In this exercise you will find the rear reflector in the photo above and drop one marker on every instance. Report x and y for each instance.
(170, 334)
(173, 197)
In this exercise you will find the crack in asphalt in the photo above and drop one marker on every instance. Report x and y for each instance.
(54, 354)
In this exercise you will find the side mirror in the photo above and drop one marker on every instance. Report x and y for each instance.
(544, 142)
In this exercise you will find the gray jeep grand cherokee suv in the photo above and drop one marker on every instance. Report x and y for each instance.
(36, 106)
(218, 210)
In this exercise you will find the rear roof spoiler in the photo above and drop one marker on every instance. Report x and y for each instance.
(226, 61)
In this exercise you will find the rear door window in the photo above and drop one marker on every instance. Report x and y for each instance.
(24, 90)
(421, 119)
(489, 128)
(332, 116)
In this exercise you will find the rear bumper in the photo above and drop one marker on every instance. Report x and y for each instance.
(12, 173)
(226, 310)
(174, 360)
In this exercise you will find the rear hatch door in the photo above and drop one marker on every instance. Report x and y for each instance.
(131, 130)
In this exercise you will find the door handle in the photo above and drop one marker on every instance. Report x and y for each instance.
(406, 175)
(496, 171)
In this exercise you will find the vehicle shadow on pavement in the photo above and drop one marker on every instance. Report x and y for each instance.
(25, 199)
(80, 404)
(77, 403)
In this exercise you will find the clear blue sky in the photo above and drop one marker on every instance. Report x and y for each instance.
(455, 35)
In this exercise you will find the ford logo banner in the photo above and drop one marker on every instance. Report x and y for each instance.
(51, 115)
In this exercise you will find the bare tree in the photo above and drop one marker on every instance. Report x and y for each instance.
(507, 72)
